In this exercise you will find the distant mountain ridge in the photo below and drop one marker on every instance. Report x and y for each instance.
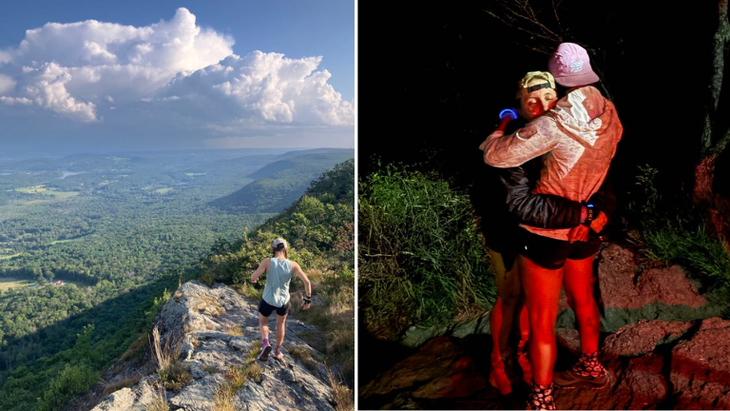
(282, 182)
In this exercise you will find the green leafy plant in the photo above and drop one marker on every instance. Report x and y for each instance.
(420, 254)
(674, 232)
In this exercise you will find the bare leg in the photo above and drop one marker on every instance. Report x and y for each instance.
(501, 319)
(524, 320)
(508, 294)
(542, 291)
(578, 283)
(588, 370)
(264, 327)
(280, 329)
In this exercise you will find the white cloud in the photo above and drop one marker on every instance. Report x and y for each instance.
(13, 101)
(170, 74)
(7, 84)
(5, 56)
(95, 59)
(46, 87)
(268, 88)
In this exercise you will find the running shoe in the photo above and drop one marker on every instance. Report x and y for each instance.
(277, 354)
(264, 356)
(586, 373)
(571, 379)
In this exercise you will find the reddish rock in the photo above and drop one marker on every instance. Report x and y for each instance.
(700, 369)
(622, 287)
(642, 337)
(642, 385)
(635, 386)
(439, 370)
(460, 380)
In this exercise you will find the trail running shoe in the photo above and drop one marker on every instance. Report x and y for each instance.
(264, 356)
(586, 373)
(571, 379)
(277, 354)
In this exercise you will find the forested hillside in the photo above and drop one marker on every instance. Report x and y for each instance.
(120, 231)
(320, 230)
(279, 183)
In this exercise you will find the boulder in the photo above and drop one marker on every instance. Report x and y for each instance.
(216, 333)
(626, 294)
(700, 367)
(440, 369)
(642, 337)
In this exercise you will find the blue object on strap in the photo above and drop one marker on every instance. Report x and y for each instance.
(506, 112)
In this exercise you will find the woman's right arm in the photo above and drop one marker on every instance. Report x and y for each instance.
(260, 270)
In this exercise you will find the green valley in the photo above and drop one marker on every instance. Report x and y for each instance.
(117, 231)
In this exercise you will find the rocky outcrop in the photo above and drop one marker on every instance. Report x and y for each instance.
(653, 365)
(627, 294)
(700, 367)
(666, 346)
(214, 334)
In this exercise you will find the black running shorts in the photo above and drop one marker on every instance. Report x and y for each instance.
(551, 253)
(266, 309)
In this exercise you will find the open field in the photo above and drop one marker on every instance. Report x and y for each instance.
(52, 192)
(7, 283)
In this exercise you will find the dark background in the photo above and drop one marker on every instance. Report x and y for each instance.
(432, 78)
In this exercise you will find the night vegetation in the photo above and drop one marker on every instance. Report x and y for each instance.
(421, 259)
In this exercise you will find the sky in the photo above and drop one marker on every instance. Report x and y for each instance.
(159, 74)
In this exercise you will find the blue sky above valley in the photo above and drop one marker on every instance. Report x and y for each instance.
(162, 74)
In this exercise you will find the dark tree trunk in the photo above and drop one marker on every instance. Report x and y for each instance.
(702, 194)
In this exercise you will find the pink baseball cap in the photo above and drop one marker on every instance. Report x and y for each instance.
(571, 66)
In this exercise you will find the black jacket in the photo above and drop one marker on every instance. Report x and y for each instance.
(514, 203)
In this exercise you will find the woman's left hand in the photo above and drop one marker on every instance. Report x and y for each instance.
(578, 233)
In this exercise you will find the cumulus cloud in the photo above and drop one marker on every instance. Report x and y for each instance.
(172, 71)
(91, 60)
(267, 87)
(7, 84)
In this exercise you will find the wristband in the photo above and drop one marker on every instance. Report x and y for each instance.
(307, 300)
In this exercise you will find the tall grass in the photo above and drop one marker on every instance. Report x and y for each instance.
(236, 377)
(674, 232)
(420, 254)
(171, 373)
(333, 313)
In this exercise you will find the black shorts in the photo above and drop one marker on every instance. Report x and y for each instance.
(504, 237)
(266, 309)
(551, 253)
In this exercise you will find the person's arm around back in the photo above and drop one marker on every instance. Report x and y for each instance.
(307, 285)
